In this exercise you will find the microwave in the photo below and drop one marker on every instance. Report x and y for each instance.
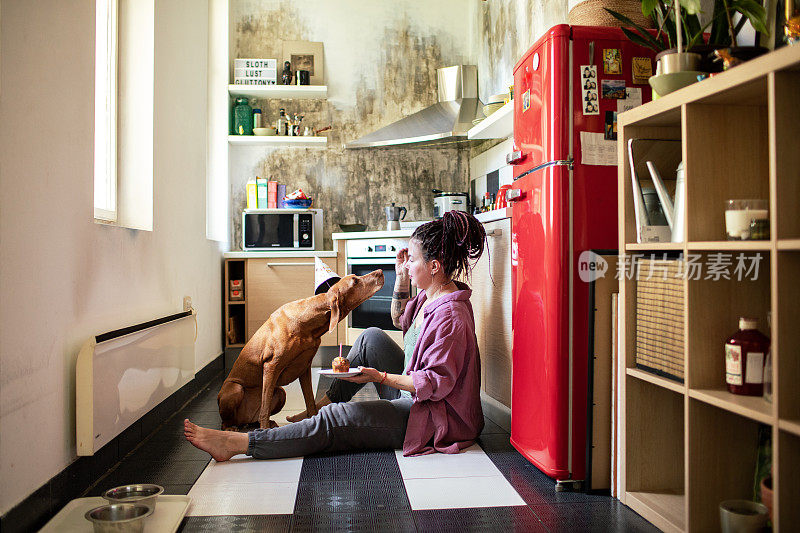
(281, 229)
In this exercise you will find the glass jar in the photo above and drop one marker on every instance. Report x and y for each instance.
(242, 117)
(745, 352)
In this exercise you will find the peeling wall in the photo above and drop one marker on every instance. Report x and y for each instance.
(380, 65)
(507, 29)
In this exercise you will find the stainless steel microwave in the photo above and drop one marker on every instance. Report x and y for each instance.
(281, 229)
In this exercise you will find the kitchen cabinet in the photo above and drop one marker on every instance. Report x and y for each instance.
(491, 303)
(688, 445)
(268, 283)
(274, 281)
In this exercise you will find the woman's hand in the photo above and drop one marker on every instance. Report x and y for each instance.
(400, 265)
(367, 374)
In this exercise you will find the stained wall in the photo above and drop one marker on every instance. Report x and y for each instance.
(380, 65)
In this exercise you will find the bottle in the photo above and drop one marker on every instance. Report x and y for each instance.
(242, 117)
(487, 202)
(256, 118)
(286, 75)
(745, 352)
(289, 126)
(280, 123)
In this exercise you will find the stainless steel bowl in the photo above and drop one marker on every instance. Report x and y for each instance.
(145, 494)
(119, 517)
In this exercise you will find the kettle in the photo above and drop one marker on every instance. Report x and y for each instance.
(393, 216)
(674, 213)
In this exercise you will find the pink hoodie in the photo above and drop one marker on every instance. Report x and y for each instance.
(446, 415)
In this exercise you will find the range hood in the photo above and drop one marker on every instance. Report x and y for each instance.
(443, 123)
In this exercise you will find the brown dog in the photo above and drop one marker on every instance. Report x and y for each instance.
(282, 349)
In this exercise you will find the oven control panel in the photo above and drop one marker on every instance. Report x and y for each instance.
(366, 248)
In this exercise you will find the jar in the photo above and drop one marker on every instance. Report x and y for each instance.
(242, 117)
(745, 352)
(256, 118)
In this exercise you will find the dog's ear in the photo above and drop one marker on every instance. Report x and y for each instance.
(335, 304)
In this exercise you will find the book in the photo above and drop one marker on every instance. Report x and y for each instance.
(261, 184)
(272, 194)
(281, 194)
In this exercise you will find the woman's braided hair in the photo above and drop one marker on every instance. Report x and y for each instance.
(453, 240)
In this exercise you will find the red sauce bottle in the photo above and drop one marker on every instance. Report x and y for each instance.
(745, 352)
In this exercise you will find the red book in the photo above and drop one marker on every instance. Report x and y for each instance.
(272, 194)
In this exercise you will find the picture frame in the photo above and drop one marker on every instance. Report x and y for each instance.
(305, 55)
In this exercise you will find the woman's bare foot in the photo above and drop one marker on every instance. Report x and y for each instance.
(222, 445)
(301, 416)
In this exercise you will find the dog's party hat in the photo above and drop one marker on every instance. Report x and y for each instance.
(324, 277)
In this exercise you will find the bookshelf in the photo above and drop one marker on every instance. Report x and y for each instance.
(688, 446)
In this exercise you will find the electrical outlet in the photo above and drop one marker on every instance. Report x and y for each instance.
(187, 303)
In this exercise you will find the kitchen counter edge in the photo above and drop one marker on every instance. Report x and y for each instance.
(489, 216)
(288, 253)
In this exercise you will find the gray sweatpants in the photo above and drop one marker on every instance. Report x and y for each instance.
(345, 425)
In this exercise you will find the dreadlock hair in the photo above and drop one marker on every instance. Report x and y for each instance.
(453, 240)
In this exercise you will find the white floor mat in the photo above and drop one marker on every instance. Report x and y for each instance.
(448, 481)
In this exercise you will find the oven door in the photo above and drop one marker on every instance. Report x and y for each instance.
(375, 312)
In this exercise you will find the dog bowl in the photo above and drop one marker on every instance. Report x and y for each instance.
(144, 494)
(119, 517)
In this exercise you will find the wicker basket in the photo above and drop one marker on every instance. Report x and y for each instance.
(659, 317)
(592, 13)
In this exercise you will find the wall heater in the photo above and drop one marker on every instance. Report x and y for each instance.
(122, 374)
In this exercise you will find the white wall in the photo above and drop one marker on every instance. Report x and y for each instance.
(64, 278)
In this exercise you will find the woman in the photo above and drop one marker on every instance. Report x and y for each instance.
(431, 406)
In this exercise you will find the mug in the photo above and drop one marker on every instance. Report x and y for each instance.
(303, 77)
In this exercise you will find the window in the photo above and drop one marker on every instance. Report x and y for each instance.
(105, 111)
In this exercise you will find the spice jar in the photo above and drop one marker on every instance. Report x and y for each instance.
(745, 352)
(242, 117)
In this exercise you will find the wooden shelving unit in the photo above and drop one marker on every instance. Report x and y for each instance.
(688, 446)
(235, 310)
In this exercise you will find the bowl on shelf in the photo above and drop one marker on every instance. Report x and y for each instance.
(663, 84)
(352, 227)
(491, 108)
(298, 203)
(499, 98)
(263, 131)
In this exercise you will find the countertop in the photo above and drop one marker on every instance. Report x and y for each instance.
(490, 216)
(239, 254)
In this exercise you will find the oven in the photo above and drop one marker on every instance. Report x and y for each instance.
(363, 256)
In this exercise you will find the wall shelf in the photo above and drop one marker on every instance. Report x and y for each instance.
(498, 125)
(289, 92)
(276, 140)
(655, 246)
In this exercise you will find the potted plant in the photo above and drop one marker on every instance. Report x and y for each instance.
(722, 31)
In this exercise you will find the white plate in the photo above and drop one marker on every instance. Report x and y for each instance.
(334, 374)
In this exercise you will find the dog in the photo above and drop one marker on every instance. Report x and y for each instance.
(281, 351)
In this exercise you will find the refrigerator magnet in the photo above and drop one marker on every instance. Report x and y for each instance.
(590, 103)
(641, 70)
(612, 61)
(613, 89)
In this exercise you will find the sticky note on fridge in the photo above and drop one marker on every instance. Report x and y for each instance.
(596, 150)
(590, 99)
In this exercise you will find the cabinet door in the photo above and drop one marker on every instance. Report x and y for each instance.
(275, 281)
(491, 302)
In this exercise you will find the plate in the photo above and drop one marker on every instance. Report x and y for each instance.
(333, 374)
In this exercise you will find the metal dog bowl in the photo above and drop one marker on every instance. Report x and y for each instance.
(144, 494)
(119, 517)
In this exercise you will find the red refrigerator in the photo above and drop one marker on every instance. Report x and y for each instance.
(563, 206)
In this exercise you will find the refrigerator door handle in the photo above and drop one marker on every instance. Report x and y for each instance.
(512, 195)
(515, 157)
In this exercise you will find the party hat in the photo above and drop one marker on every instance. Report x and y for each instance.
(324, 277)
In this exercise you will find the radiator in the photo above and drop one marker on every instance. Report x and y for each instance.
(123, 374)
